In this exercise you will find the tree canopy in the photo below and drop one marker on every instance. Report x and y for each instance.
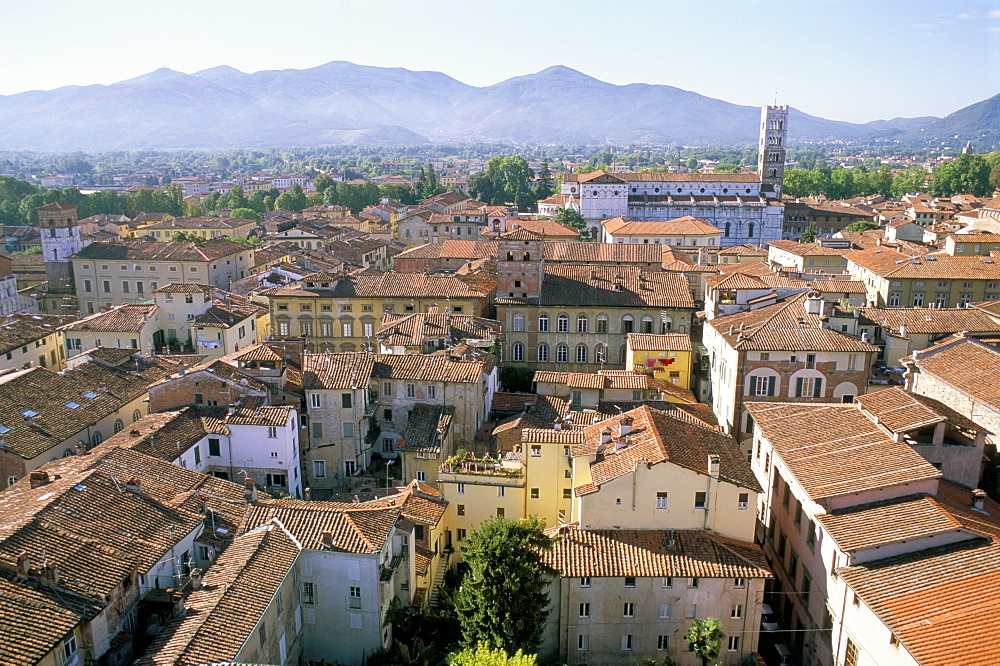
(505, 180)
(502, 601)
(484, 655)
(705, 639)
(861, 225)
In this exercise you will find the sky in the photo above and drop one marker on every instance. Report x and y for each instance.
(853, 60)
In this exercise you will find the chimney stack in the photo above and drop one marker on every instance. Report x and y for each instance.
(713, 465)
(196, 579)
(979, 500)
(23, 564)
(249, 490)
(624, 425)
(606, 436)
(328, 539)
(38, 478)
(81, 449)
(308, 494)
(134, 485)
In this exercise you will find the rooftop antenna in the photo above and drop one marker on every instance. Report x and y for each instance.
(776, 98)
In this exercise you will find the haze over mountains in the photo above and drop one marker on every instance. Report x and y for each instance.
(341, 102)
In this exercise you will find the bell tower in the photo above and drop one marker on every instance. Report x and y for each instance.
(520, 264)
(771, 150)
(60, 233)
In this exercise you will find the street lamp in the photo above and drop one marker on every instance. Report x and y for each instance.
(390, 462)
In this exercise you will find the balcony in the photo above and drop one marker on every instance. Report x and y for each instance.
(464, 463)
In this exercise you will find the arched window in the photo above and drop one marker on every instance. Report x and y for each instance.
(727, 229)
(527, 256)
(666, 324)
(581, 353)
(628, 324)
(622, 354)
(517, 352)
(602, 323)
(647, 324)
(563, 324)
(11, 480)
(543, 353)
(518, 322)
(136, 415)
(562, 354)
(582, 323)
(543, 323)
(750, 229)
(96, 439)
(510, 256)
(601, 353)
(68, 453)
(119, 426)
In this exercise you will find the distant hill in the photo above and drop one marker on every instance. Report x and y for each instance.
(341, 102)
(979, 123)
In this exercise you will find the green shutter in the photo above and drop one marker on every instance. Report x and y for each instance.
(798, 387)
(818, 390)
(770, 385)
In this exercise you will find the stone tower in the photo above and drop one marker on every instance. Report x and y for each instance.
(771, 150)
(60, 233)
(520, 265)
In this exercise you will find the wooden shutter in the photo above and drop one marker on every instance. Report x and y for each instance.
(770, 385)
(798, 387)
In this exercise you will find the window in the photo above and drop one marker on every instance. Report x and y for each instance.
(432, 392)
(628, 324)
(583, 642)
(811, 361)
(500, 512)
(124, 287)
(647, 324)
(582, 323)
(350, 467)
(602, 324)
(743, 502)
(734, 643)
(581, 354)
(536, 450)
(262, 634)
(460, 509)
(387, 415)
(665, 611)
(461, 489)
(691, 611)
(627, 642)
(308, 593)
(197, 455)
(411, 391)
(543, 353)
(562, 354)
(314, 399)
(851, 653)
(567, 493)
(662, 642)
(516, 352)
(893, 641)
(106, 284)
(534, 493)
(739, 583)
(348, 330)
(563, 324)
(319, 469)
(386, 388)
(272, 432)
(661, 500)
(629, 581)
(585, 581)
(693, 583)
(543, 323)
(585, 610)
(317, 429)
(68, 649)
(628, 609)
(460, 533)
(348, 429)
(737, 612)
(699, 499)
(276, 480)
(809, 387)
(518, 322)
(345, 400)
(763, 385)
(86, 285)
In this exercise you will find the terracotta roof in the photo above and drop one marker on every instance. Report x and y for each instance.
(665, 177)
(785, 326)
(892, 521)
(356, 528)
(511, 402)
(992, 307)
(120, 319)
(658, 437)
(613, 286)
(747, 250)
(898, 410)
(151, 250)
(975, 238)
(17, 330)
(556, 251)
(839, 286)
(810, 249)
(186, 288)
(933, 601)
(547, 228)
(694, 412)
(681, 226)
(349, 370)
(236, 590)
(892, 264)
(931, 320)
(416, 328)
(966, 364)
(166, 435)
(833, 449)
(375, 284)
(426, 428)
(426, 368)
(957, 500)
(578, 553)
(735, 281)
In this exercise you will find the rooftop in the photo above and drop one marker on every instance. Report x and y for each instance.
(966, 364)
(119, 319)
(151, 250)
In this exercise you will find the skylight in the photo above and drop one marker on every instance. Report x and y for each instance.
(4, 430)
(89, 394)
(29, 413)
(73, 405)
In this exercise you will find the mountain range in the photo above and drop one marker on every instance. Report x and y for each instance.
(344, 103)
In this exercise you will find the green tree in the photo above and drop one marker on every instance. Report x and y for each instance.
(294, 199)
(913, 179)
(245, 214)
(234, 198)
(726, 168)
(705, 639)
(322, 183)
(505, 180)
(861, 225)
(502, 601)
(484, 655)
(570, 217)
(811, 233)
(545, 184)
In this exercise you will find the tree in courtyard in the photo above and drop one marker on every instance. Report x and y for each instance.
(245, 214)
(571, 218)
(811, 233)
(861, 225)
(502, 601)
(484, 655)
(705, 639)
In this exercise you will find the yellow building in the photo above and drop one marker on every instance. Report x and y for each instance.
(29, 340)
(202, 227)
(477, 489)
(667, 357)
(336, 312)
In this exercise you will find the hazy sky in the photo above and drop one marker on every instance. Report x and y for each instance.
(855, 60)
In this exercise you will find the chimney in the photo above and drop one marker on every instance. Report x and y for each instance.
(196, 579)
(50, 572)
(557, 425)
(309, 494)
(249, 490)
(328, 539)
(81, 449)
(624, 425)
(134, 485)
(713, 465)
(23, 564)
(38, 478)
(672, 539)
(902, 330)
(606, 436)
(979, 500)
(814, 305)
(180, 370)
